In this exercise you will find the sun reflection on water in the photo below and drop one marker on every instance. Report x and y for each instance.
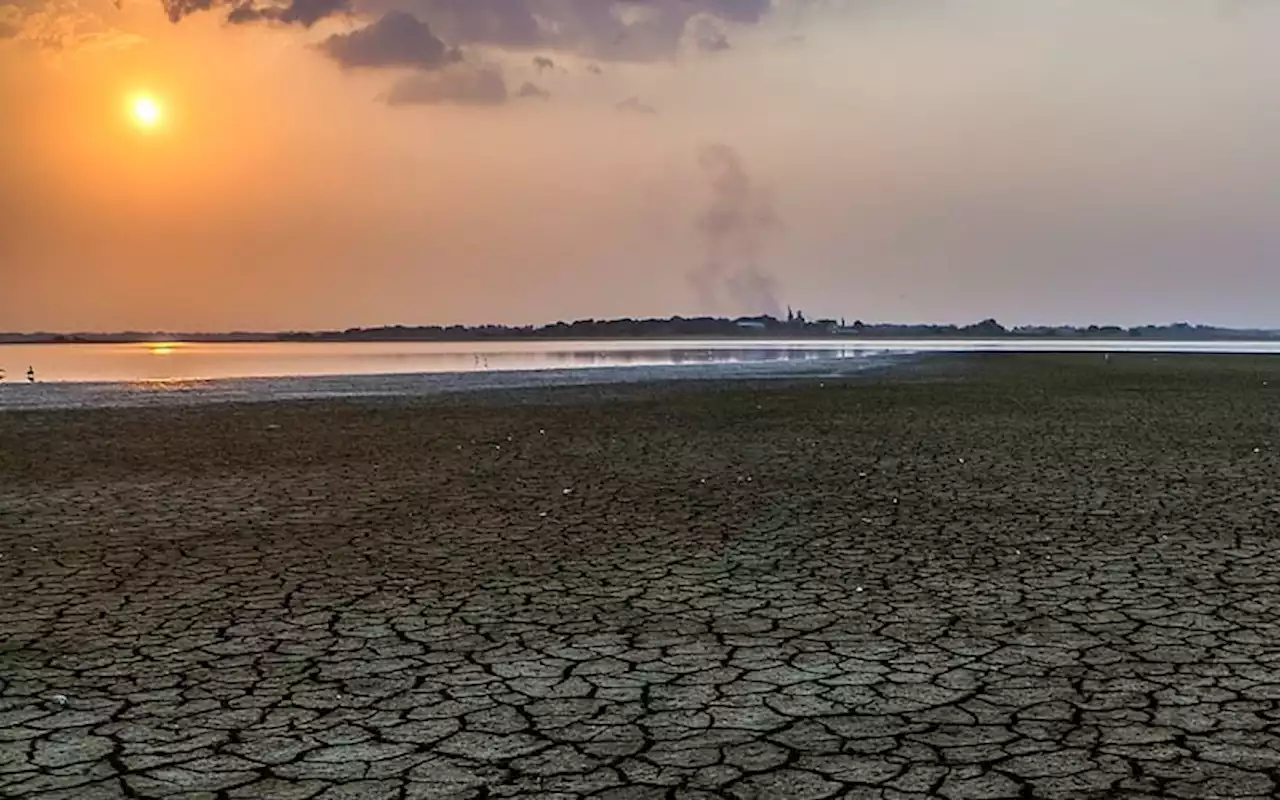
(162, 348)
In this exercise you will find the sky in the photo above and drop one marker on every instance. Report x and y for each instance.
(334, 163)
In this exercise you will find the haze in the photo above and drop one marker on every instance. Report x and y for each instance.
(321, 165)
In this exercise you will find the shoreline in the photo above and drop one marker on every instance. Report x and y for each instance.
(72, 395)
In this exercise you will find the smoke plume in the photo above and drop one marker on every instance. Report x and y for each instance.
(735, 227)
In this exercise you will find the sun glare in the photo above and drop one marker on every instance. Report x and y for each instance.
(145, 111)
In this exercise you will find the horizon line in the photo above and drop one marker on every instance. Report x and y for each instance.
(798, 324)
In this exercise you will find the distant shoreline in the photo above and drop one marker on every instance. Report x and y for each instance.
(745, 340)
(746, 329)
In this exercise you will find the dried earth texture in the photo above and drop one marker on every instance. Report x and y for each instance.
(1048, 577)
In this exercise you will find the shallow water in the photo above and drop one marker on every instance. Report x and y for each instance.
(88, 375)
(186, 361)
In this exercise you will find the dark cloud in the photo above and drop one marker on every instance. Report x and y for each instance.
(177, 9)
(533, 90)
(458, 85)
(502, 22)
(633, 105)
(541, 63)
(247, 13)
(594, 69)
(734, 227)
(622, 30)
(397, 39)
(299, 12)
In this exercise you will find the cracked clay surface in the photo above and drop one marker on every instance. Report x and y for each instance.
(1005, 577)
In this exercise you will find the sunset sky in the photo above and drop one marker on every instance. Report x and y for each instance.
(328, 163)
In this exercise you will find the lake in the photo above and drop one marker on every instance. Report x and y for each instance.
(185, 361)
(182, 361)
(83, 375)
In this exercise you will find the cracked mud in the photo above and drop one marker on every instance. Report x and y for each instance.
(985, 578)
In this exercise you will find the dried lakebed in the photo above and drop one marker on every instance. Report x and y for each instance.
(1004, 576)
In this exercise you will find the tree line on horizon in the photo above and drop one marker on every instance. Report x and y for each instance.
(795, 325)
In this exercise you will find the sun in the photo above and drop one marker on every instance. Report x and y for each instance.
(145, 111)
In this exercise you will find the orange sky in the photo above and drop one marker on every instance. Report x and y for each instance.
(1082, 161)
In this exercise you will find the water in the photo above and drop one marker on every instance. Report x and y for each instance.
(186, 361)
(91, 375)
(77, 375)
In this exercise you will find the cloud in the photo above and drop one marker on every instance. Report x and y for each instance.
(299, 12)
(60, 26)
(533, 90)
(573, 24)
(747, 12)
(509, 23)
(624, 30)
(397, 39)
(633, 105)
(621, 30)
(707, 33)
(458, 85)
(10, 21)
(177, 9)
(713, 42)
